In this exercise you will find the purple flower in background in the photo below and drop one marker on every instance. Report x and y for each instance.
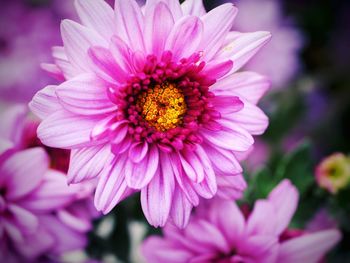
(26, 37)
(40, 216)
(280, 59)
(219, 232)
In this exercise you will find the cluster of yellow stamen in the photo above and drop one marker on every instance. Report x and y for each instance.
(162, 106)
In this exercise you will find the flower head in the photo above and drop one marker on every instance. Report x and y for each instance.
(40, 216)
(219, 232)
(333, 173)
(152, 103)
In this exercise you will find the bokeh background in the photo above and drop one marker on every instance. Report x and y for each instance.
(308, 61)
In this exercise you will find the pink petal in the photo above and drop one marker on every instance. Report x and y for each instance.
(45, 102)
(23, 171)
(173, 6)
(85, 95)
(248, 85)
(251, 118)
(223, 161)
(192, 166)
(61, 60)
(183, 180)
(138, 175)
(64, 130)
(227, 216)
(77, 40)
(104, 65)
(138, 151)
(309, 247)
(66, 238)
(193, 7)
(207, 235)
(96, 14)
(53, 70)
(181, 209)
(156, 197)
(130, 23)
(245, 46)
(111, 187)
(158, 250)
(121, 53)
(53, 193)
(217, 23)
(231, 187)
(284, 199)
(185, 37)
(231, 138)
(87, 163)
(158, 24)
(25, 220)
(259, 249)
(263, 212)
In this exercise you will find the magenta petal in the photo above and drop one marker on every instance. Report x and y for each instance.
(62, 62)
(218, 70)
(121, 53)
(87, 163)
(156, 198)
(260, 249)
(185, 37)
(85, 95)
(32, 163)
(96, 14)
(45, 102)
(138, 151)
(138, 175)
(309, 247)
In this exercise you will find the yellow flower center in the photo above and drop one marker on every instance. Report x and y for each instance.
(163, 106)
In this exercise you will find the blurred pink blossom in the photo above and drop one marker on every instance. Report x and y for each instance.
(280, 59)
(219, 232)
(40, 215)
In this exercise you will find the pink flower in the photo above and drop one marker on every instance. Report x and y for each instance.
(152, 103)
(287, 40)
(219, 232)
(40, 216)
(333, 173)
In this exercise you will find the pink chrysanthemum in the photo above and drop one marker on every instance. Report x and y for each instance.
(219, 232)
(152, 103)
(40, 216)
